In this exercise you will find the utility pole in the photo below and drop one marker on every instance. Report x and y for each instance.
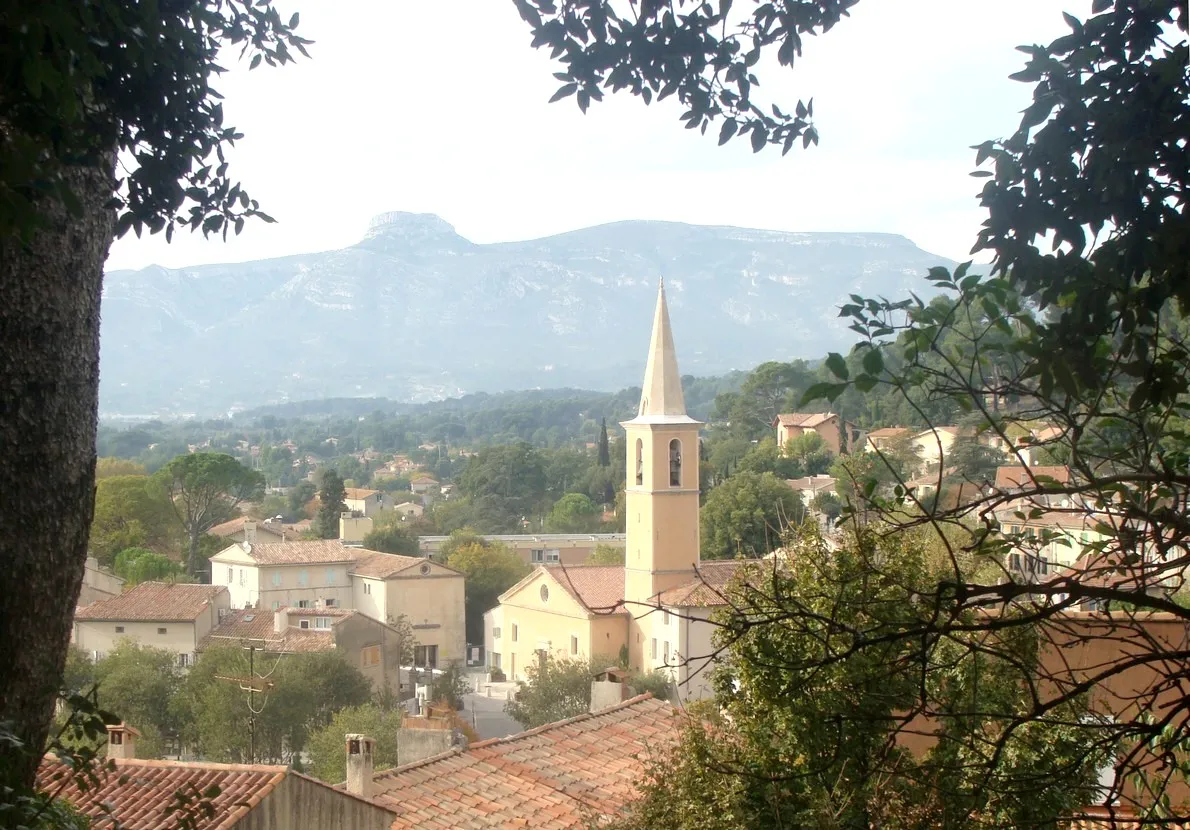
(253, 685)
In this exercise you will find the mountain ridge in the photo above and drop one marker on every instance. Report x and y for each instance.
(415, 311)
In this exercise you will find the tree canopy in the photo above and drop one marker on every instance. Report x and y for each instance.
(204, 489)
(490, 570)
(746, 515)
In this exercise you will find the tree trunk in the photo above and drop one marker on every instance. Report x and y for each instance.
(49, 386)
(192, 564)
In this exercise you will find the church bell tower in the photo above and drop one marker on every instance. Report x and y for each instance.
(661, 494)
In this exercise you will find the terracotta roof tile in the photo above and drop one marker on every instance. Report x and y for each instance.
(358, 493)
(888, 432)
(256, 625)
(1011, 478)
(599, 588)
(809, 420)
(236, 525)
(139, 792)
(321, 551)
(383, 565)
(154, 601)
(706, 590)
(562, 775)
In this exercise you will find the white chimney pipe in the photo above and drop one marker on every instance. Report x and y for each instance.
(360, 749)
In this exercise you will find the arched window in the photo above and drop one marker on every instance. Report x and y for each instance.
(640, 461)
(675, 463)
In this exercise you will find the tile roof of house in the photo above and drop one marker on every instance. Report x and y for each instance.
(359, 493)
(383, 565)
(599, 588)
(707, 588)
(139, 792)
(256, 625)
(320, 551)
(1115, 818)
(233, 526)
(561, 775)
(888, 432)
(161, 601)
(803, 419)
(1014, 477)
(815, 483)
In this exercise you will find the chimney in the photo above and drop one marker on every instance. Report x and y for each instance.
(609, 689)
(121, 741)
(249, 532)
(359, 764)
(280, 620)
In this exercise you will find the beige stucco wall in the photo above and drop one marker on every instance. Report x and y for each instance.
(276, 586)
(100, 636)
(371, 505)
(373, 601)
(695, 646)
(929, 444)
(433, 603)
(98, 583)
(353, 529)
(356, 633)
(300, 804)
(557, 624)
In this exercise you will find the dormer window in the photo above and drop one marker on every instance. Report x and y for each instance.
(675, 463)
(640, 462)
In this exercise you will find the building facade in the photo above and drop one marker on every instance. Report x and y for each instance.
(174, 617)
(328, 574)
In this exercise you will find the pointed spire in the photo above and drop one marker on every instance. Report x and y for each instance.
(661, 394)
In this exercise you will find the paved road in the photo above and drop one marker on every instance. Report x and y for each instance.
(487, 713)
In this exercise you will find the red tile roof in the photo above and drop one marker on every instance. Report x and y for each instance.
(1011, 478)
(260, 626)
(318, 552)
(154, 601)
(562, 775)
(139, 792)
(358, 493)
(888, 432)
(599, 588)
(809, 420)
(383, 565)
(234, 526)
(707, 589)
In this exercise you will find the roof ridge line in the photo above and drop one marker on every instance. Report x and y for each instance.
(545, 727)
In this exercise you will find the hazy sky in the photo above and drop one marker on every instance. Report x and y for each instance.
(440, 106)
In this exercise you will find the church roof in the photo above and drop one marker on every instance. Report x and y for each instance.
(598, 588)
(661, 398)
(708, 587)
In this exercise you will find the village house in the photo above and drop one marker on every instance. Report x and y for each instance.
(409, 510)
(810, 487)
(174, 617)
(885, 439)
(366, 643)
(422, 485)
(840, 436)
(327, 574)
(245, 529)
(540, 548)
(143, 795)
(933, 445)
(363, 502)
(654, 608)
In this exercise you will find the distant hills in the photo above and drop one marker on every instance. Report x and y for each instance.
(416, 312)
